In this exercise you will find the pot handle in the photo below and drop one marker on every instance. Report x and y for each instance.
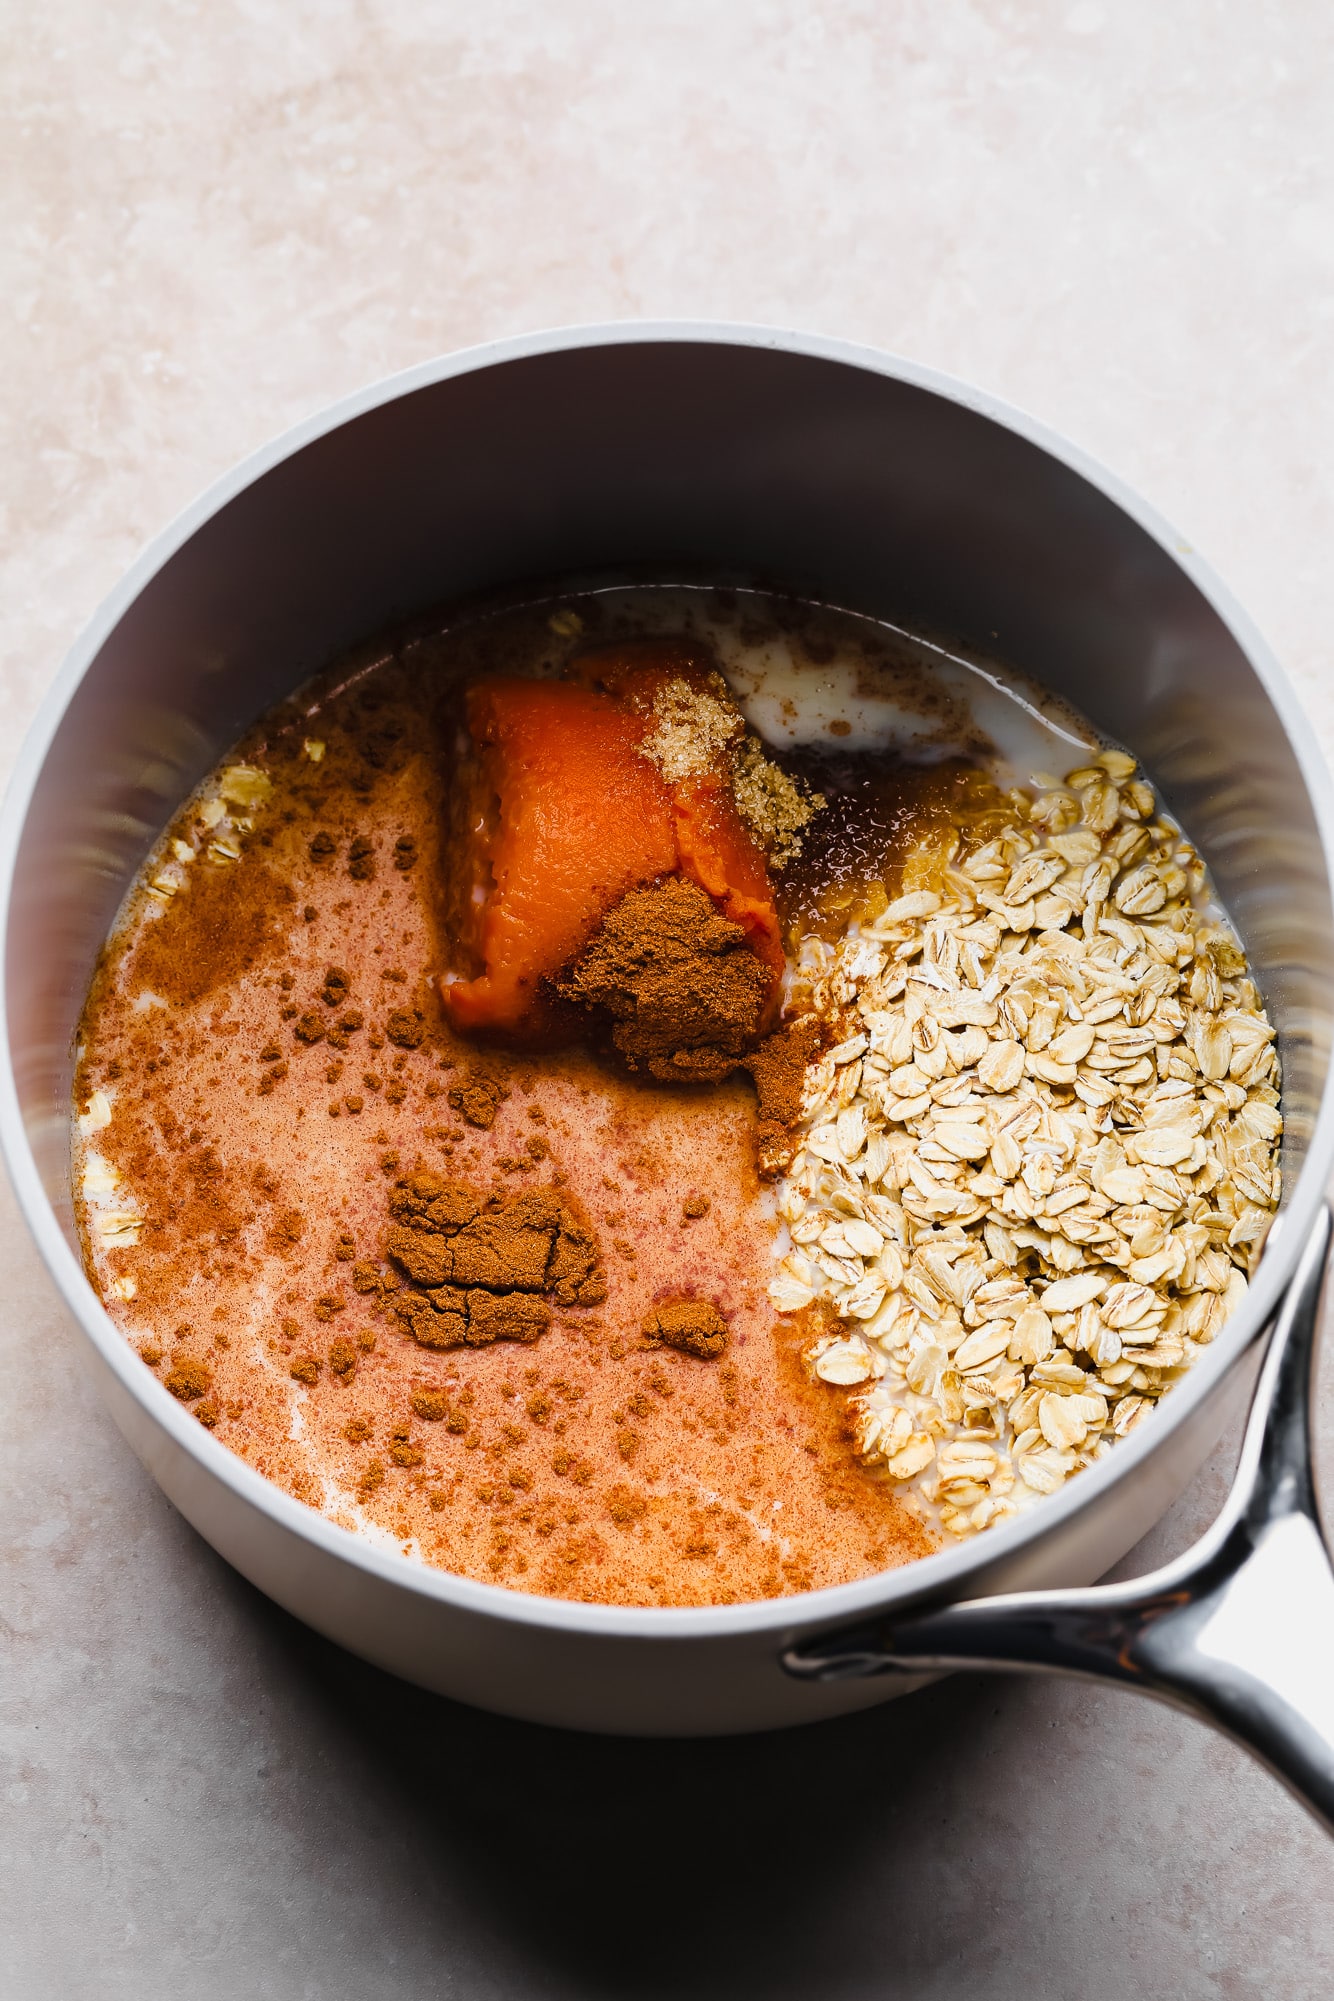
(1238, 1631)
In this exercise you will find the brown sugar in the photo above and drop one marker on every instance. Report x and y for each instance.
(773, 805)
(685, 995)
(697, 728)
(691, 1325)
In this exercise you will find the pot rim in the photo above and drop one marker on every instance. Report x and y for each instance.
(947, 1572)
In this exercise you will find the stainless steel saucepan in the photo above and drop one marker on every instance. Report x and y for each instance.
(741, 454)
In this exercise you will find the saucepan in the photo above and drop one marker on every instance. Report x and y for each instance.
(741, 455)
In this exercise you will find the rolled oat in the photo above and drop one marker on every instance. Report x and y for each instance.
(1035, 1170)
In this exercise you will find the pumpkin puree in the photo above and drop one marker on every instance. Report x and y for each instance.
(582, 817)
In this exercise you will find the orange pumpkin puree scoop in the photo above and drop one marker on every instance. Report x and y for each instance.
(583, 816)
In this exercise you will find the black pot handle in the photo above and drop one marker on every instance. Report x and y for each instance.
(1239, 1630)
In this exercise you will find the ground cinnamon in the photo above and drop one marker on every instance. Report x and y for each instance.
(478, 1097)
(692, 1325)
(477, 1264)
(685, 995)
(687, 999)
(211, 934)
(778, 1067)
(188, 1379)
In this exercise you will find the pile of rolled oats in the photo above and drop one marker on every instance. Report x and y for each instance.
(1034, 1172)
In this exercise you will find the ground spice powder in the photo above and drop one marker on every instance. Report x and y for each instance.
(483, 1267)
(695, 1326)
(213, 932)
(685, 996)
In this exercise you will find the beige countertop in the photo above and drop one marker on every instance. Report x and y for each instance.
(218, 219)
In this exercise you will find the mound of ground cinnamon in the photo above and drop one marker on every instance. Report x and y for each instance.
(685, 994)
(477, 1264)
(687, 1001)
(691, 1325)
(477, 1097)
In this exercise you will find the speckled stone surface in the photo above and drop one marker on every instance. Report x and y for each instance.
(216, 220)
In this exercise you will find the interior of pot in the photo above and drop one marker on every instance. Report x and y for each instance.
(786, 468)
